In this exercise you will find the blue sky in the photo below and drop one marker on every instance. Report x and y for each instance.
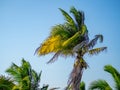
(24, 24)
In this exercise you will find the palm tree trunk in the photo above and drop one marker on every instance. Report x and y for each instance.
(77, 77)
(76, 74)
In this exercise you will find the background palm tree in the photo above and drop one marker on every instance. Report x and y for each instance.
(6, 83)
(71, 39)
(25, 77)
(102, 84)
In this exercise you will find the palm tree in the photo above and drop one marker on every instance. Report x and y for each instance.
(25, 76)
(71, 39)
(102, 84)
(6, 83)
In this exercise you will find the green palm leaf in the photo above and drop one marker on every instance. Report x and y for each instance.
(6, 83)
(115, 74)
(15, 71)
(69, 19)
(82, 86)
(61, 30)
(100, 85)
(79, 17)
(77, 36)
(93, 42)
(97, 50)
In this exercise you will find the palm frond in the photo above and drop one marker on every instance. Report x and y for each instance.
(93, 42)
(71, 39)
(54, 58)
(26, 79)
(15, 71)
(78, 15)
(35, 76)
(52, 44)
(6, 83)
(55, 88)
(83, 30)
(82, 86)
(110, 69)
(4, 87)
(100, 85)
(61, 30)
(69, 19)
(97, 50)
(75, 37)
(115, 74)
(16, 87)
(25, 66)
(100, 37)
(79, 46)
(39, 76)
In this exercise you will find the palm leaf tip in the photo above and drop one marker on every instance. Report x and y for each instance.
(54, 58)
(69, 20)
(93, 42)
(100, 37)
(78, 15)
(97, 50)
(66, 15)
(36, 51)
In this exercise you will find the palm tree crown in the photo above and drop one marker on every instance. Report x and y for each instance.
(71, 39)
(25, 76)
(64, 37)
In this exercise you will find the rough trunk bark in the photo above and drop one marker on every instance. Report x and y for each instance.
(77, 78)
(76, 75)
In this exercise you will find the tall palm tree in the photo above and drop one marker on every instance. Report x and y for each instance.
(102, 84)
(71, 39)
(25, 76)
(6, 83)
